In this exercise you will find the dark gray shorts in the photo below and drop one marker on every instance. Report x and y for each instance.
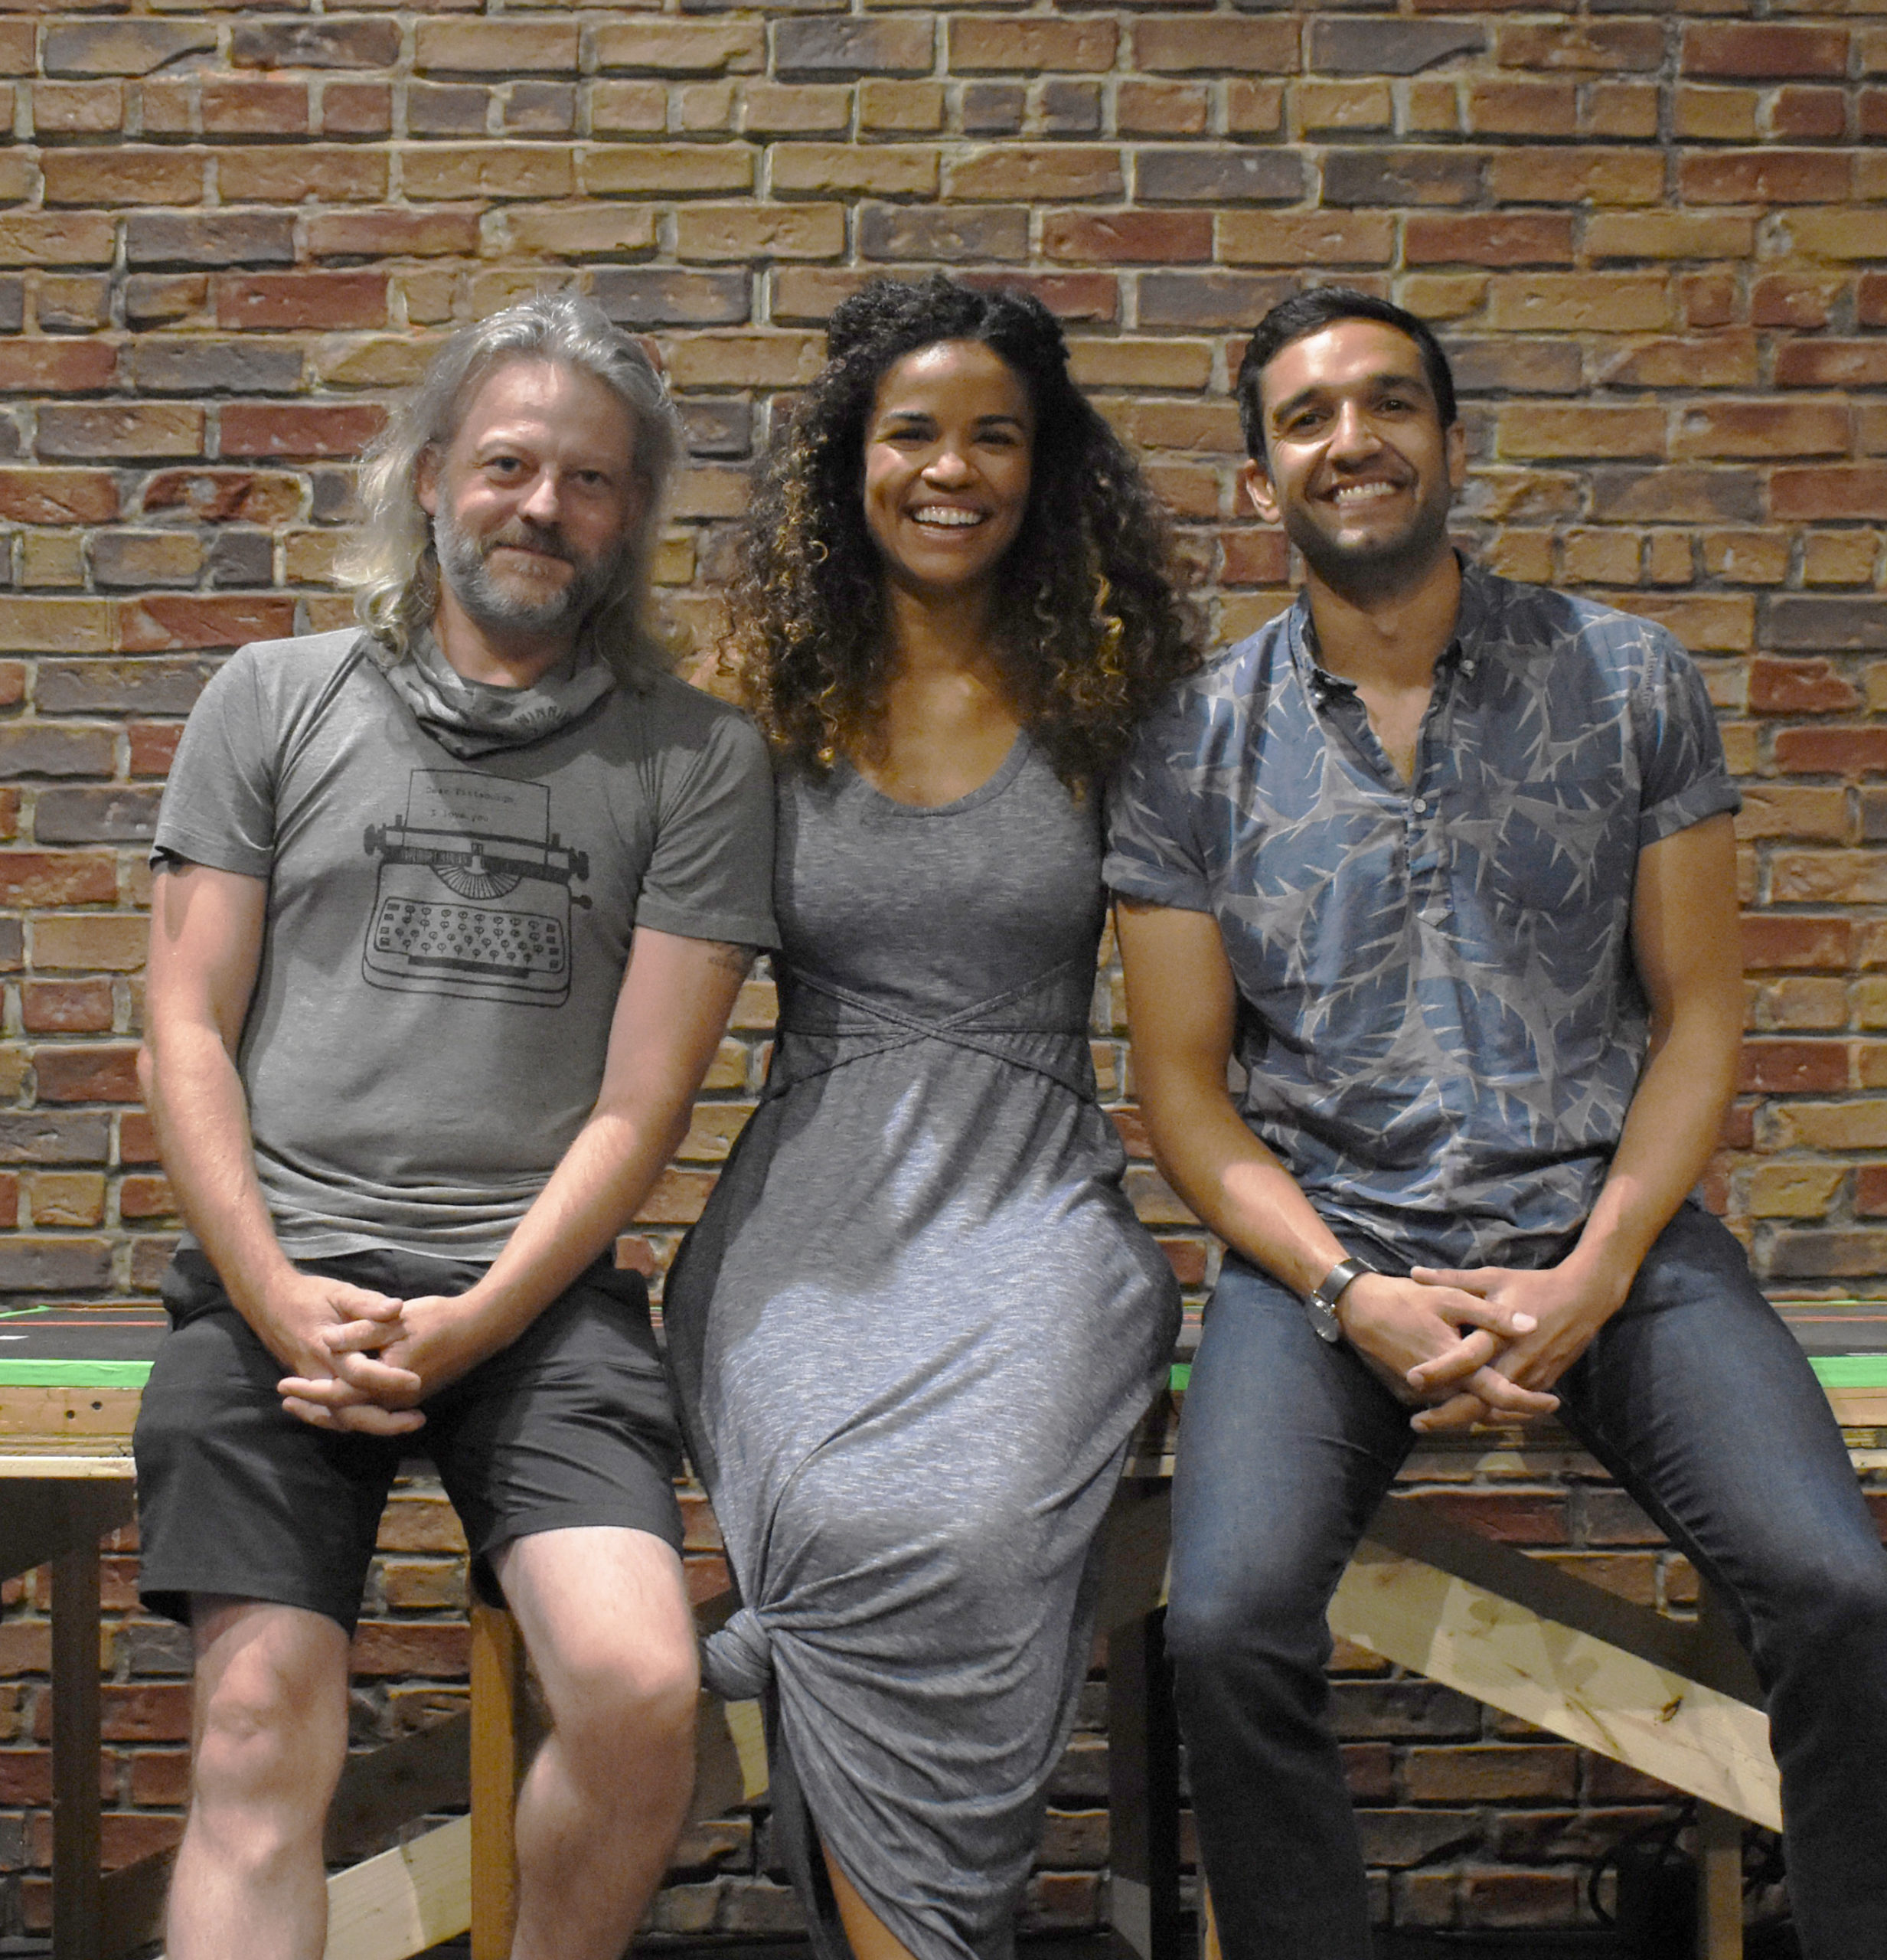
(571, 1425)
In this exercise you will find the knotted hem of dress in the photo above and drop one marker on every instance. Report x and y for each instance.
(736, 1660)
(737, 1665)
(800, 1846)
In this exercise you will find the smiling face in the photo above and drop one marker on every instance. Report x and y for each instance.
(948, 448)
(533, 499)
(1357, 468)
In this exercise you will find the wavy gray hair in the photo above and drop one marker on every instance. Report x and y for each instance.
(391, 562)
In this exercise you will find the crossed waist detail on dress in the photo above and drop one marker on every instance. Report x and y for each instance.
(824, 1026)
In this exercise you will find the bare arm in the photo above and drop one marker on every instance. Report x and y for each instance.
(206, 947)
(1684, 942)
(1182, 1002)
(676, 997)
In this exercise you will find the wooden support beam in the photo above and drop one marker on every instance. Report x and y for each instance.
(1143, 1790)
(1135, 1541)
(1686, 1733)
(404, 1901)
(78, 1917)
(498, 1705)
(40, 1521)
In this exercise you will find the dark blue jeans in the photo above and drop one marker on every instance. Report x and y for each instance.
(1696, 1398)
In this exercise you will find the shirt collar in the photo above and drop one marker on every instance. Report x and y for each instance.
(1463, 649)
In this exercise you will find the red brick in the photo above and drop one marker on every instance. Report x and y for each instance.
(1763, 429)
(299, 428)
(1782, 1067)
(1799, 687)
(1809, 114)
(1214, 46)
(56, 366)
(1852, 751)
(332, 173)
(166, 622)
(58, 496)
(1785, 299)
(90, 1073)
(979, 45)
(326, 301)
(1035, 173)
(1750, 49)
(1764, 177)
(1832, 364)
(1836, 491)
(441, 231)
(66, 1007)
(223, 496)
(1515, 238)
(408, 1647)
(1130, 236)
(1306, 238)
(251, 107)
(146, 1198)
(501, 48)
(126, 176)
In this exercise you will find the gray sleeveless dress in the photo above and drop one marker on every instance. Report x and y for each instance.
(911, 1336)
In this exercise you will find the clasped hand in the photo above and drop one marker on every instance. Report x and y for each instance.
(1470, 1343)
(371, 1361)
(1434, 1339)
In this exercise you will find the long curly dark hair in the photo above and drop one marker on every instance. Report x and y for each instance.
(1091, 620)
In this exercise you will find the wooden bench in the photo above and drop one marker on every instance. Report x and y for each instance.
(1674, 1700)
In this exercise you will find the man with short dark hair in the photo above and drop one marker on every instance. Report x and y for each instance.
(1447, 862)
(450, 913)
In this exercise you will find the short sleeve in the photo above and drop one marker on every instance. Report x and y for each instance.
(1152, 853)
(1683, 770)
(710, 872)
(218, 807)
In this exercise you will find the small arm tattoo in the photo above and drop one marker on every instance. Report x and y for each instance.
(733, 959)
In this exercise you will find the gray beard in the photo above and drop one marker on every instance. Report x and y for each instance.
(462, 565)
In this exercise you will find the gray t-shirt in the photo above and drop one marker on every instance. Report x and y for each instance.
(445, 939)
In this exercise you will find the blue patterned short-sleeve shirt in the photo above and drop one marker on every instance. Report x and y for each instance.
(1439, 1021)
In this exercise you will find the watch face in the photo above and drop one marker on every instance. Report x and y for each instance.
(1324, 1318)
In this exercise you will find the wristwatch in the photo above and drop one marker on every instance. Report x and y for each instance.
(1320, 1306)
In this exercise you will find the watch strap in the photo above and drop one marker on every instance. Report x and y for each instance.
(1320, 1303)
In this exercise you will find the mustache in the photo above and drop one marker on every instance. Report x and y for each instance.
(522, 535)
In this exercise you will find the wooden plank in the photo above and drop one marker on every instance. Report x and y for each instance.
(1692, 1736)
(405, 1900)
(1858, 1408)
(1421, 1530)
(78, 1919)
(497, 1700)
(52, 1413)
(1719, 1884)
(380, 1790)
(1143, 1790)
(25, 1460)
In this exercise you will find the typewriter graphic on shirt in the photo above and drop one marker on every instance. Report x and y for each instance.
(474, 897)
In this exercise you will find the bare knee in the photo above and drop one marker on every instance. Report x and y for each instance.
(271, 1717)
(626, 1694)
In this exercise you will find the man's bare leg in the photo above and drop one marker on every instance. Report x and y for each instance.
(270, 1734)
(605, 1620)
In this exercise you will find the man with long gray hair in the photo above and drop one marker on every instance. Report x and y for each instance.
(450, 913)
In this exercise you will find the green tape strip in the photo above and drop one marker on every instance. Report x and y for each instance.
(1850, 1370)
(1181, 1375)
(73, 1374)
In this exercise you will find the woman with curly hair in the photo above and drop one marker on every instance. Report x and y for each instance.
(914, 1329)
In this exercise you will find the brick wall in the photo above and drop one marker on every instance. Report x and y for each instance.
(1653, 235)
